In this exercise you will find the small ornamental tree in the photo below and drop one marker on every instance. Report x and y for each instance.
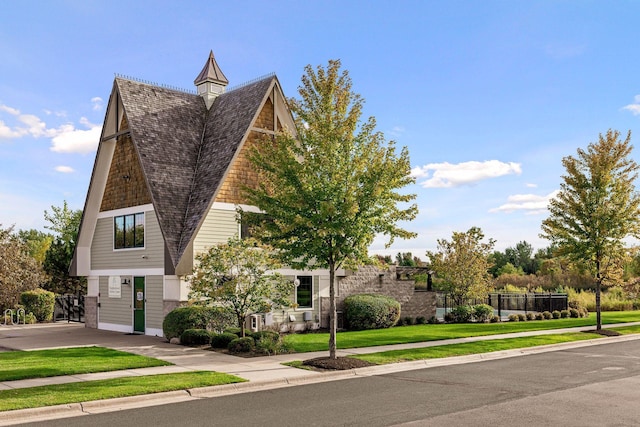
(19, 271)
(463, 264)
(331, 187)
(238, 275)
(596, 208)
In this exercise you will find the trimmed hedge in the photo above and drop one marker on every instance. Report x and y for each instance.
(195, 317)
(242, 345)
(195, 337)
(370, 311)
(222, 340)
(39, 302)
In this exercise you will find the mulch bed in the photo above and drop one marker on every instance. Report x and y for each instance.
(337, 364)
(605, 332)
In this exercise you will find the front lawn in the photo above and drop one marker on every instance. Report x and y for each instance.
(420, 333)
(19, 365)
(477, 347)
(59, 394)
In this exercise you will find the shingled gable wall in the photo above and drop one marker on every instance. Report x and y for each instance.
(242, 171)
(126, 185)
(373, 280)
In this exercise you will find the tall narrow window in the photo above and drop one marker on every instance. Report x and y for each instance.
(304, 292)
(128, 231)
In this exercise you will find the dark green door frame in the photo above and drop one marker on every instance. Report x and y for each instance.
(138, 305)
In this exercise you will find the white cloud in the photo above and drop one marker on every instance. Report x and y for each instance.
(97, 103)
(529, 185)
(446, 175)
(7, 133)
(530, 203)
(64, 139)
(64, 169)
(635, 107)
(9, 110)
(72, 140)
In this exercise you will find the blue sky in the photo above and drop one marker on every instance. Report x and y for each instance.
(488, 96)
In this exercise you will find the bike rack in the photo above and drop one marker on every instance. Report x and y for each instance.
(10, 313)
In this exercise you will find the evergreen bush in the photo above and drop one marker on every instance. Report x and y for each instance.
(370, 311)
(222, 340)
(39, 302)
(242, 345)
(195, 317)
(195, 337)
(462, 314)
(482, 312)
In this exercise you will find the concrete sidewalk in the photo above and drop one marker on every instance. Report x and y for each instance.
(262, 372)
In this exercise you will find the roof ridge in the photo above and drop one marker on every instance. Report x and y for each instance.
(252, 81)
(150, 83)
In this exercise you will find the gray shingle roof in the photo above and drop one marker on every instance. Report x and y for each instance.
(185, 150)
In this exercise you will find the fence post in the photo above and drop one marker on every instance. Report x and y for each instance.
(526, 296)
(500, 305)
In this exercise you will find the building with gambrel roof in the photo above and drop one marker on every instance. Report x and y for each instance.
(166, 182)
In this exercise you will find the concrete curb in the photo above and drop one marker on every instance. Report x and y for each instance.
(122, 403)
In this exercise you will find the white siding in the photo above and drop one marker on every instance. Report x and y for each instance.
(218, 227)
(104, 257)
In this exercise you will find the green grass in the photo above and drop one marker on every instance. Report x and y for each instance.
(59, 394)
(18, 365)
(395, 356)
(626, 330)
(302, 343)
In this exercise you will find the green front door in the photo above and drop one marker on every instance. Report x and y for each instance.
(138, 304)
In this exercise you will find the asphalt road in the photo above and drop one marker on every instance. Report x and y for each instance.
(589, 386)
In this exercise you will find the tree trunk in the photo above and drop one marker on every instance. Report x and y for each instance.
(241, 324)
(332, 312)
(598, 287)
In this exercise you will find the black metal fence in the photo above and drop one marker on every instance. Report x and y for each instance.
(536, 302)
(69, 308)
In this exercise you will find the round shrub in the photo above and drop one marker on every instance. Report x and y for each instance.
(531, 316)
(555, 314)
(574, 313)
(421, 320)
(236, 331)
(514, 318)
(462, 314)
(368, 311)
(564, 314)
(482, 312)
(539, 316)
(222, 340)
(547, 315)
(39, 302)
(433, 320)
(265, 336)
(522, 317)
(494, 319)
(195, 317)
(195, 337)
(408, 320)
(242, 345)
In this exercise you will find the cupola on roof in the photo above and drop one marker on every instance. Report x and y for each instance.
(211, 82)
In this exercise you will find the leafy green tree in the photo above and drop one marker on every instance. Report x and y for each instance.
(405, 259)
(19, 271)
(330, 189)
(463, 265)
(597, 208)
(65, 224)
(37, 241)
(509, 268)
(236, 275)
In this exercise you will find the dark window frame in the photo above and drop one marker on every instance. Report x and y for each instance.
(306, 285)
(128, 231)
